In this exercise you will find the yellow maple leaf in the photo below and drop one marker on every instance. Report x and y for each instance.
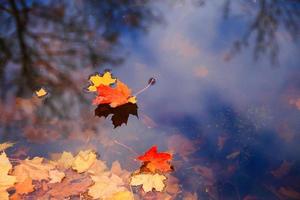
(6, 181)
(34, 169)
(66, 160)
(41, 92)
(96, 80)
(84, 160)
(6, 145)
(121, 196)
(148, 181)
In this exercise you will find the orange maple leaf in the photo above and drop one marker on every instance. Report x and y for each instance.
(154, 161)
(114, 96)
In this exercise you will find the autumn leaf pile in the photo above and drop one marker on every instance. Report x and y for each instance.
(82, 175)
(113, 97)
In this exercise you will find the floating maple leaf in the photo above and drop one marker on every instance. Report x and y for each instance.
(41, 92)
(156, 161)
(97, 80)
(114, 96)
(120, 114)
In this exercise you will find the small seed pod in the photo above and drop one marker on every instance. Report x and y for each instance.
(152, 81)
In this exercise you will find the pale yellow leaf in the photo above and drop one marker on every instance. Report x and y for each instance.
(34, 169)
(5, 165)
(66, 160)
(6, 181)
(56, 176)
(149, 181)
(6, 145)
(84, 160)
(105, 185)
(97, 167)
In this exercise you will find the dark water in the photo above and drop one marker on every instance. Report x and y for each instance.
(226, 101)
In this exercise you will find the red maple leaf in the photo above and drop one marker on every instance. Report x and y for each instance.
(156, 161)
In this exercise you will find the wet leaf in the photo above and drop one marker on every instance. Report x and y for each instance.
(84, 160)
(120, 114)
(97, 80)
(149, 181)
(290, 193)
(34, 169)
(56, 176)
(121, 196)
(6, 181)
(282, 170)
(41, 92)
(24, 187)
(114, 96)
(105, 186)
(66, 160)
(73, 184)
(156, 161)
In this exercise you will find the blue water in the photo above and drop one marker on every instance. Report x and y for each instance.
(227, 80)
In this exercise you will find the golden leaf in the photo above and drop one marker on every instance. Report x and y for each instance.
(148, 181)
(84, 160)
(97, 80)
(41, 92)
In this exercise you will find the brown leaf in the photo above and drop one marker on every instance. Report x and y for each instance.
(290, 193)
(72, 184)
(185, 148)
(282, 170)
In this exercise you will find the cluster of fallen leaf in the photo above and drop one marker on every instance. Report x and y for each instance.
(82, 175)
(113, 97)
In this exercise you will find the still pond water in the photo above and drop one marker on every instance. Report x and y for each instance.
(226, 101)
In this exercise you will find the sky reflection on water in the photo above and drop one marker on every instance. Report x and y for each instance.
(248, 104)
